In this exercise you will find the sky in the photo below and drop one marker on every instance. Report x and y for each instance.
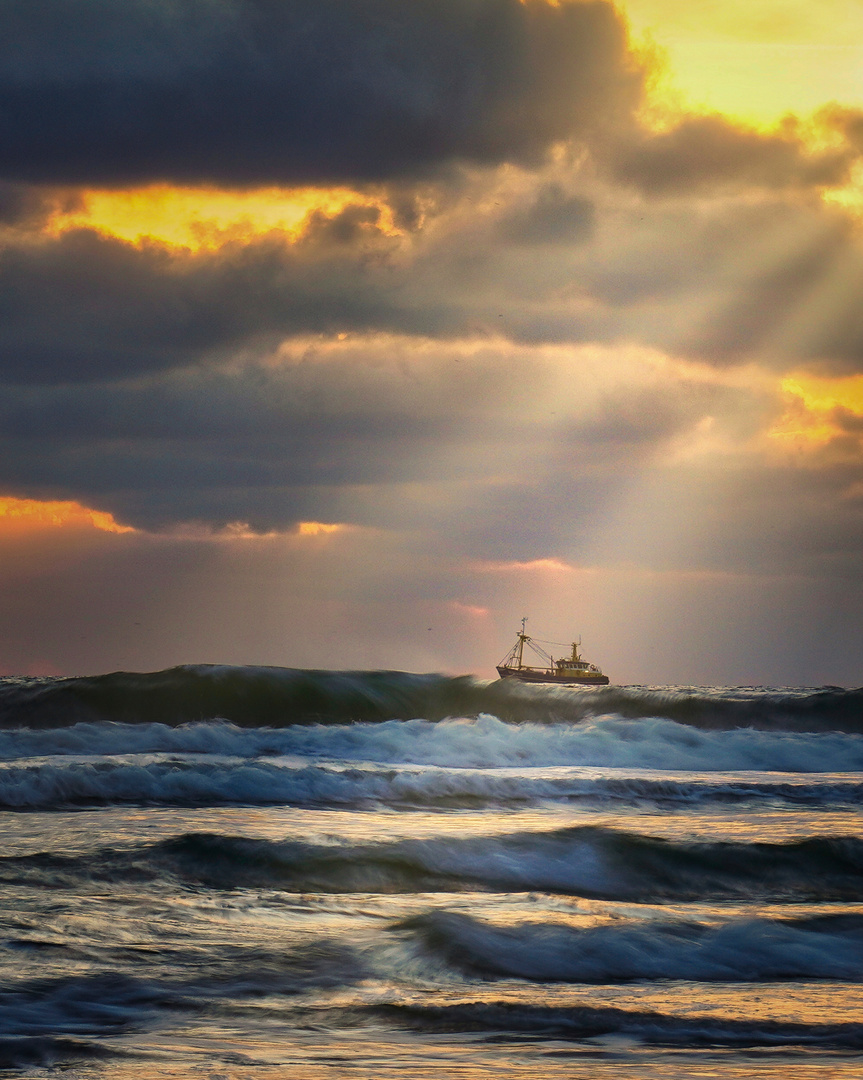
(346, 333)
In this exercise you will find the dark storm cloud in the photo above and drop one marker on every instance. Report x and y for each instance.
(710, 152)
(725, 283)
(22, 204)
(268, 446)
(250, 91)
(88, 306)
(333, 431)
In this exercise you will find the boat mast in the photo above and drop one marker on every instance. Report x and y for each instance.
(522, 638)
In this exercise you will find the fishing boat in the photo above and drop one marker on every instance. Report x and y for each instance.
(572, 670)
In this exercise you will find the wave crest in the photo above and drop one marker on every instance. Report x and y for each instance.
(276, 697)
(736, 951)
(589, 861)
(652, 1028)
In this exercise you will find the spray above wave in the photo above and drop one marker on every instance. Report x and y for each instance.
(736, 951)
(592, 862)
(277, 697)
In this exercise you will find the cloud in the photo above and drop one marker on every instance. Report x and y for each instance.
(725, 574)
(294, 92)
(388, 432)
(847, 121)
(710, 153)
(726, 280)
(796, 307)
(300, 91)
(528, 332)
(553, 217)
(86, 306)
(22, 204)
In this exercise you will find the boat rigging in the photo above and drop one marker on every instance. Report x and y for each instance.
(572, 670)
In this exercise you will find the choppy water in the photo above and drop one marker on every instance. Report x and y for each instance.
(241, 873)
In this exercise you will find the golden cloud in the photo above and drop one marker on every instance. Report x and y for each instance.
(24, 515)
(203, 218)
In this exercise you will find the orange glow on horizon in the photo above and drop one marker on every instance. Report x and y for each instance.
(34, 514)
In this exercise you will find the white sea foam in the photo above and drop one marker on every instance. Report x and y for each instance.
(481, 743)
(210, 781)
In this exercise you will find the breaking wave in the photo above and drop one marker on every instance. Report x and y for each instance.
(277, 697)
(53, 785)
(594, 862)
(829, 947)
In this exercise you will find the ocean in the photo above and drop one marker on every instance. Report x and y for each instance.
(215, 873)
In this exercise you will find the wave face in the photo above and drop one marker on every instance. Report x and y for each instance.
(209, 868)
(648, 1027)
(587, 861)
(829, 947)
(202, 782)
(41, 1020)
(482, 742)
(277, 697)
(458, 762)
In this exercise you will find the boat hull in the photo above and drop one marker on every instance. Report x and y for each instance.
(526, 675)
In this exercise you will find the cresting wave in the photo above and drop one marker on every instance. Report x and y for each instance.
(482, 742)
(271, 932)
(256, 782)
(277, 697)
(594, 862)
(68, 1018)
(652, 1028)
(828, 947)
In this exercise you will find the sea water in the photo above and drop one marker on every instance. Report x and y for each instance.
(235, 873)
